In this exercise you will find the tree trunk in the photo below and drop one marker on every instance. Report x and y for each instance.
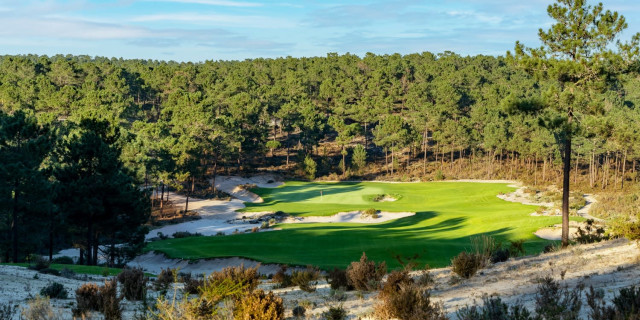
(215, 173)
(624, 167)
(14, 223)
(89, 242)
(566, 171)
(95, 250)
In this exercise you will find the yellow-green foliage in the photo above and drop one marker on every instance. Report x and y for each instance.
(40, 309)
(259, 306)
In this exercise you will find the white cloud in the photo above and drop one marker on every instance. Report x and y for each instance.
(218, 19)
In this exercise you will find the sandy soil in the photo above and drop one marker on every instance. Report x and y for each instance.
(607, 265)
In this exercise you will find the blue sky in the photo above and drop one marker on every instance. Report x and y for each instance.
(198, 30)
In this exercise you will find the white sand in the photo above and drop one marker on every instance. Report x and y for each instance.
(352, 216)
(609, 265)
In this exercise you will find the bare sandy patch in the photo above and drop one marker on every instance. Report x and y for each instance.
(351, 216)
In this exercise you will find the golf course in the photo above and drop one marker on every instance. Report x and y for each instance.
(447, 216)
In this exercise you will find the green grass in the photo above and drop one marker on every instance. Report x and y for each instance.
(95, 270)
(447, 215)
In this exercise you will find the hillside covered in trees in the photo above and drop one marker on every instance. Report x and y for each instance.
(153, 123)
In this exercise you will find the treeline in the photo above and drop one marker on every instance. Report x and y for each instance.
(180, 123)
(64, 184)
(186, 120)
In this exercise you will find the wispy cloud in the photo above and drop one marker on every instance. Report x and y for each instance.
(217, 19)
(224, 3)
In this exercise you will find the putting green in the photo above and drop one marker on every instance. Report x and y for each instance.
(447, 215)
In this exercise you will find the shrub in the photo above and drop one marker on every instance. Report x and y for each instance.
(556, 302)
(425, 278)
(298, 312)
(40, 309)
(338, 279)
(371, 213)
(466, 264)
(7, 310)
(259, 306)
(133, 282)
(67, 273)
(63, 260)
(192, 286)
(494, 309)
(364, 274)
(335, 313)
(110, 302)
(281, 277)
(306, 279)
(590, 233)
(500, 255)
(185, 234)
(516, 248)
(54, 290)
(626, 305)
(50, 271)
(37, 262)
(247, 277)
(401, 298)
(87, 299)
(165, 278)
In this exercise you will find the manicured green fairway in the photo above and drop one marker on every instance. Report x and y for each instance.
(447, 215)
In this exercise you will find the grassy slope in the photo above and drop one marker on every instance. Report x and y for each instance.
(447, 214)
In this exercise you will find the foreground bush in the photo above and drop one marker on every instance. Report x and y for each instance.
(466, 264)
(7, 310)
(306, 279)
(87, 299)
(364, 274)
(165, 278)
(109, 301)
(281, 278)
(494, 309)
(554, 301)
(626, 304)
(338, 280)
(134, 283)
(259, 306)
(40, 309)
(54, 290)
(407, 301)
(335, 313)
(248, 277)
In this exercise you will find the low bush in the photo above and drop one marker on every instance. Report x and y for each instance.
(281, 277)
(371, 213)
(259, 306)
(192, 286)
(110, 302)
(500, 255)
(7, 310)
(591, 233)
(337, 279)
(494, 309)
(298, 312)
(185, 234)
(62, 260)
(54, 290)
(466, 264)
(554, 301)
(425, 278)
(87, 299)
(67, 273)
(37, 262)
(516, 248)
(40, 309)
(165, 278)
(335, 313)
(247, 277)
(50, 271)
(134, 283)
(365, 275)
(401, 298)
(306, 279)
(626, 304)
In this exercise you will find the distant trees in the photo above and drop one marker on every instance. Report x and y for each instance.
(579, 63)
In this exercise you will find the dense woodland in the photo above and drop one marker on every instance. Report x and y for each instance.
(68, 120)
